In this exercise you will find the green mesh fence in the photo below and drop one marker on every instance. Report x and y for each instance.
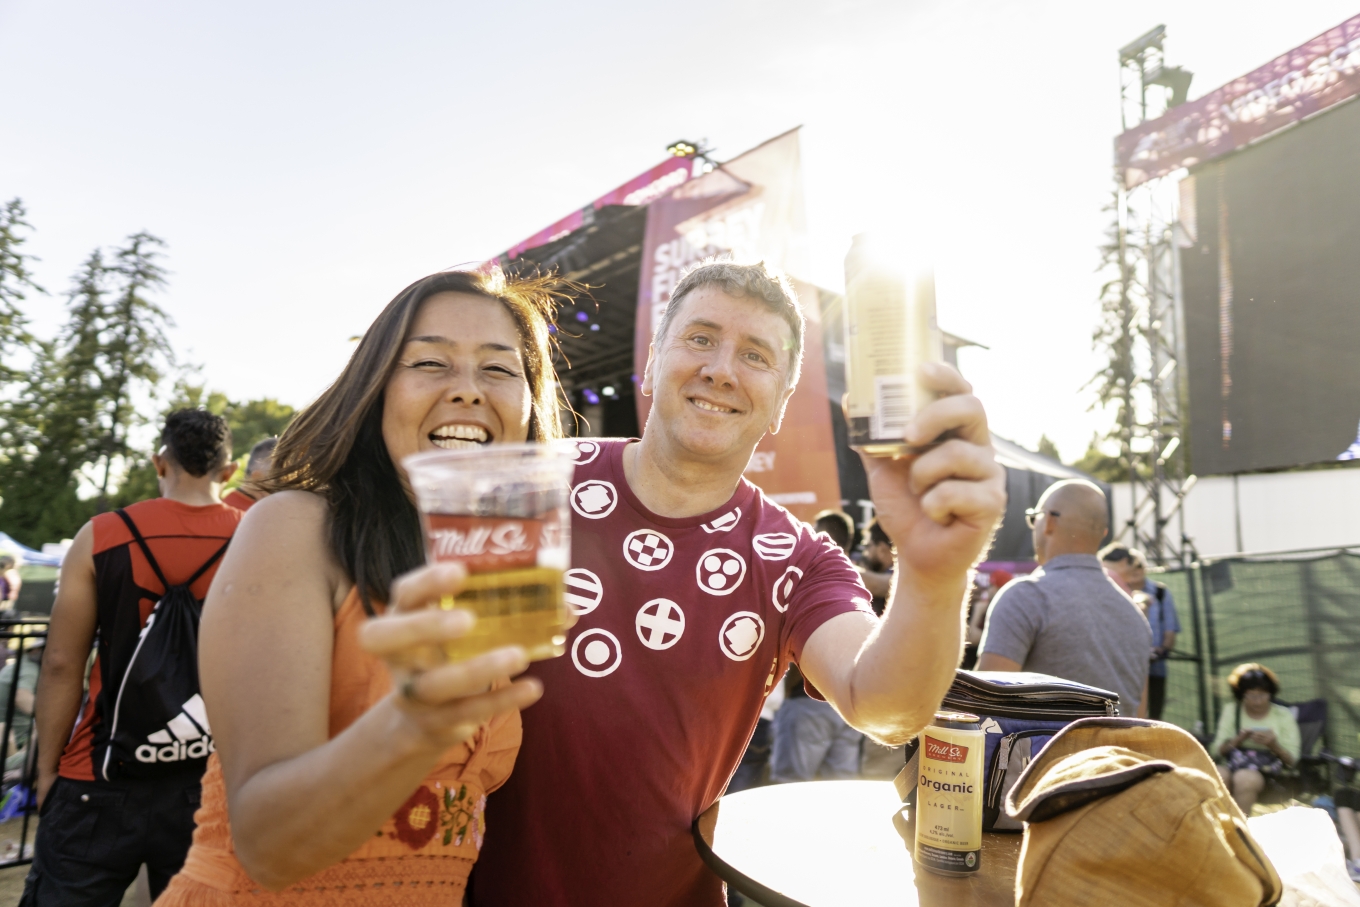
(1297, 614)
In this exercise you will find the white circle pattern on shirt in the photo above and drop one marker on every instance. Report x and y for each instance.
(720, 571)
(660, 624)
(647, 549)
(586, 452)
(584, 590)
(741, 634)
(775, 546)
(594, 499)
(784, 586)
(597, 648)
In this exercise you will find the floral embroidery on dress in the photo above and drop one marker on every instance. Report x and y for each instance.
(418, 819)
(461, 816)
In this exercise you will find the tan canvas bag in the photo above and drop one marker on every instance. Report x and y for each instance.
(1131, 812)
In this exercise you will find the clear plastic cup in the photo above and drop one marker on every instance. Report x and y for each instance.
(503, 513)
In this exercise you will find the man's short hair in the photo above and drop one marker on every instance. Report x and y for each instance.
(1115, 553)
(261, 456)
(874, 534)
(197, 440)
(757, 281)
(838, 525)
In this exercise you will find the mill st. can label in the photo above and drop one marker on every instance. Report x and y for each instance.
(890, 331)
(949, 795)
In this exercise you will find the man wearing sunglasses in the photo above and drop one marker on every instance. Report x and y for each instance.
(1067, 618)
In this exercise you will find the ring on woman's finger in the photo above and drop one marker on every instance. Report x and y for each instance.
(408, 688)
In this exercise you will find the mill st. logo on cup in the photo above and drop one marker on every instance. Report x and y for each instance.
(941, 751)
(483, 544)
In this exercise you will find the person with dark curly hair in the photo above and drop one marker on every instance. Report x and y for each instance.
(1256, 735)
(98, 825)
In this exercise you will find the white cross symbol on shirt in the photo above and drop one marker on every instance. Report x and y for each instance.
(658, 618)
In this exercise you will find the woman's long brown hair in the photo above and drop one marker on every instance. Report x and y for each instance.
(335, 446)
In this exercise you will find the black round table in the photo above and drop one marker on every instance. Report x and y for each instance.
(839, 844)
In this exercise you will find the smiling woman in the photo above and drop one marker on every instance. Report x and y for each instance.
(329, 725)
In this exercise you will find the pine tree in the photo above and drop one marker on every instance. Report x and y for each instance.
(131, 350)
(15, 279)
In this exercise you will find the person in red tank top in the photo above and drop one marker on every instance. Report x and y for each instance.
(257, 470)
(694, 593)
(99, 827)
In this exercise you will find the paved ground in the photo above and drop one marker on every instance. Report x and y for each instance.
(12, 879)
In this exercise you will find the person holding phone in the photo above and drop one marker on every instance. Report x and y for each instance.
(1256, 735)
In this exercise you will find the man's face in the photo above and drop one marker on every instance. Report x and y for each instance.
(1039, 534)
(1135, 574)
(719, 377)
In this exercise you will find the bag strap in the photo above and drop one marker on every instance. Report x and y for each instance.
(150, 558)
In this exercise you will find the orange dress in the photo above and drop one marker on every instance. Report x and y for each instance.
(421, 856)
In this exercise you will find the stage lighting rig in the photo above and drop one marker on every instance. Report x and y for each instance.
(699, 150)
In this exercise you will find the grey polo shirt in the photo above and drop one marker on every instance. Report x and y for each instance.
(1070, 620)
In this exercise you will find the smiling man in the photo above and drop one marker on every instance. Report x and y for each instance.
(695, 592)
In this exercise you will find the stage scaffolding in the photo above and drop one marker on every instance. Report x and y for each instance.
(1149, 344)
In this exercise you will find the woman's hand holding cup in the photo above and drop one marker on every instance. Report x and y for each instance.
(445, 701)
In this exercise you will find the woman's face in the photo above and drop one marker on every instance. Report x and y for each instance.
(459, 381)
(1256, 701)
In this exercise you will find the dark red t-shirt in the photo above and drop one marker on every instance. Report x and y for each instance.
(181, 538)
(685, 625)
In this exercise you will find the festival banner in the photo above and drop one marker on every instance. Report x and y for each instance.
(1305, 81)
(750, 209)
(640, 190)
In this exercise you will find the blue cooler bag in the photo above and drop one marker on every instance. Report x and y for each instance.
(1020, 713)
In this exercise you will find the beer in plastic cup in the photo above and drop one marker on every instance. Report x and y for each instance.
(503, 513)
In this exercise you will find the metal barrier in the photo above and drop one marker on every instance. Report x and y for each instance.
(20, 639)
(1296, 612)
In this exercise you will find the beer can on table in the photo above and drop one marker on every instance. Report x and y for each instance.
(890, 331)
(949, 795)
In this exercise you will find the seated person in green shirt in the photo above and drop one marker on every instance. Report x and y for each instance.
(1255, 734)
(22, 728)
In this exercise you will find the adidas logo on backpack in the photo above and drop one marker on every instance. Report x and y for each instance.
(187, 736)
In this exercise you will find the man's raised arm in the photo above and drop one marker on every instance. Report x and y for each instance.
(940, 509)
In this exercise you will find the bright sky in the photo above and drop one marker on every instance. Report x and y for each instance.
(305, 161)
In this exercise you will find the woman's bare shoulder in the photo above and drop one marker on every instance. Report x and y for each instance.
(285, 535)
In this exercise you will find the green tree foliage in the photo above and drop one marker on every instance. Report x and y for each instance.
(1095, 462)
(131, 352)
(74, 410)
(1048, 448)
(15, 280)
(255, 420)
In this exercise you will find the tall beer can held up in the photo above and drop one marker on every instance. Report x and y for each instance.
(890, 331)
(502, 512)
(949, 795)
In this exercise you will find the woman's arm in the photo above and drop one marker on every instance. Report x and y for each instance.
(298, 801)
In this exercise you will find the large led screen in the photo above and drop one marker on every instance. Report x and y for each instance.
(1271, 289)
